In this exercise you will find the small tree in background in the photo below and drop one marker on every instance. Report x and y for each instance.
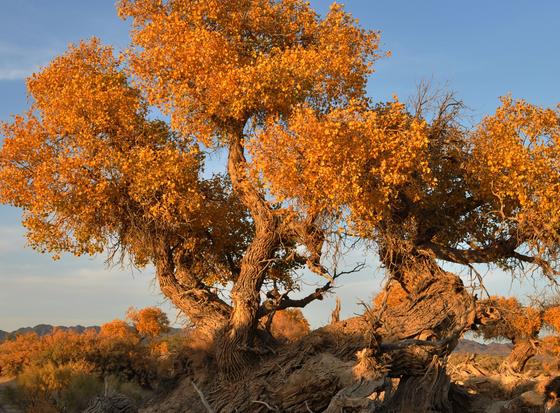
(517, 323)
(118, 329)
(289, 325)
(149, 322)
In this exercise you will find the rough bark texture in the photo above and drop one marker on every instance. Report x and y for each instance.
(522, 352)
(202, 307)
(235, 343)
(423, 393)
(338, 368)
(435, 309)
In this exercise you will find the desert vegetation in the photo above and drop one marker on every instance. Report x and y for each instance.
(314, 168)
(64, 370)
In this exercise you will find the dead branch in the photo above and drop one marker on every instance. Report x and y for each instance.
(202, 398)
(268, 406)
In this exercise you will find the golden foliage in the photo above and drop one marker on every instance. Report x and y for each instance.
(515, 163)
(148, 322)
(551, 318)
(212, 64)
(89, 168)
(289, 325)
(85, 161)
(118, 329)
(351, 158)
(515, 321)
(116, 350)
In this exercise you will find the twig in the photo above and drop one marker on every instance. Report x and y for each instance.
(307, 407)
(269, 407)
(202, 398)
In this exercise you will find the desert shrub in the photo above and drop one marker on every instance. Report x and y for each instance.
(58, 348)
(17, 353)
(289, 325)
(63, 370)
(55, 388)
(129, 388)
(126, 359)
(148, 322)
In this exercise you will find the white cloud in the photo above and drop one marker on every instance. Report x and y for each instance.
(16, 73)
(11, 239)
(18, 63)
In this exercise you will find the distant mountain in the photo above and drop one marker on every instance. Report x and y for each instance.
(471, 346)
(44, 329)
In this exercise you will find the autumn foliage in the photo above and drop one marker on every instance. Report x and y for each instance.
(531, 329)
(289, 325)
(514, 322)
(149, 322)
(51, 369)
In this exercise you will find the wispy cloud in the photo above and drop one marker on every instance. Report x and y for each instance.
(16, 73)
(11, 240)
(18, 62)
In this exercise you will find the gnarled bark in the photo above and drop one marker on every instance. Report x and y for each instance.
(204, 309)
(428, 392)
(435, 308)
(236, 340)
(523, 350)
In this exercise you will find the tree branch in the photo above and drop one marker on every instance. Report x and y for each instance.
(270, 306)
(500, 249)
(283, 302)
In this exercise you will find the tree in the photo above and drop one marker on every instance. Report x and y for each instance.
(118, 329)
(94, 173)
(310, 159)
(519, 324)
(289, 325)
(149, 322)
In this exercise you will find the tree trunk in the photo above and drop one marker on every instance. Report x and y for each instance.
(204, 309)
(431, 309)
(235, 346)
(523, 350)
(423, 393)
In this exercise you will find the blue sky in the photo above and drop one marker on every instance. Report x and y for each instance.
(480, 49)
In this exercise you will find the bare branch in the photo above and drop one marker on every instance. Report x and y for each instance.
(202, 398)
(268, 406)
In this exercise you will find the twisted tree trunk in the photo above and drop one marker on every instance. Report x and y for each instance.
(432, 306)
(204, 309)
(235, 346)
(523, 350)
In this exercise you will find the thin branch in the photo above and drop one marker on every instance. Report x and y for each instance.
(269, 407)
(202, 398)
(308, 408)
(500, 249)
(283, 301)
